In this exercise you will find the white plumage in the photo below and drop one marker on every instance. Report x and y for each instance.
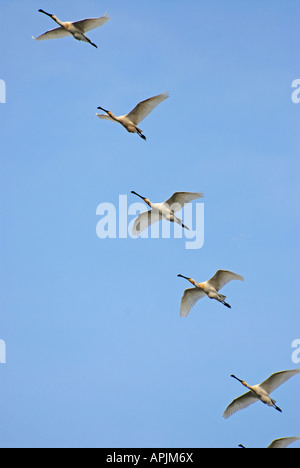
(284, 442)
(131, 120)
(209, 288)
(259, 392)
(77, 29)
(165, 210)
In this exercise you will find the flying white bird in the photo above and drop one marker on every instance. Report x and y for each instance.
(76, 29)
(131, 121)
(280, 443)
(209, 288)
(165, 210)
(259, 392)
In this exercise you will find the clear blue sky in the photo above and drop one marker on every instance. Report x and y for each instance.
(97, 354)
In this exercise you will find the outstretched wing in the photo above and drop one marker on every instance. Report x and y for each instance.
(177, 201)
(145, 220)
(189, 299)
(284, 442)
(91, 23)
(223, 277)
(240, 403)
(104, 117)
(144, 108)
(277, 379)
(57, 33)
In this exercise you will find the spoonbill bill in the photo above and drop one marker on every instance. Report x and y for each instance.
(280, 443)
(260, 392)
(77, 29)
(165, 210)
(131, 121)
(209, 288)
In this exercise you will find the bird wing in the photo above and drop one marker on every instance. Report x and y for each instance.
(91, 23)
(57, 33)
(144, 221)
(144, 108)
(189, 299)
(277, 379)
(240, 403)
(223, 277)
(105, 117)
(284, 442)
(179, 199)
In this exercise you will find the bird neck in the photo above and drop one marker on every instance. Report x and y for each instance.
(60, 23)
(246, 385)
(112, 116)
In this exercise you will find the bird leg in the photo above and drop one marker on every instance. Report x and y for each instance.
(276, 407)
(140, 134)
(94, 45)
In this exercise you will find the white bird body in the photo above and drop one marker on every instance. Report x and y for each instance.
(131, 120)
(208, 288)
(259, 392)
(165, 210)
(76, 29)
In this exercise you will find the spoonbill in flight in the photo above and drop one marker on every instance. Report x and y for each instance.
(165, 210)
(280, 443)
(131, 121)
(76, 29)
(259, 392)
(209, 288)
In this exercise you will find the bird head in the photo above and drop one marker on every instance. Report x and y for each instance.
(189, 279)
(242, 381)
(101, 108)
(146, 200)
(48, 14)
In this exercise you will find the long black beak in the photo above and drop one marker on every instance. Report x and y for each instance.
(241, 446)
(233, 376)
(101, 108)
(185, 277)
(45, 13)
(134, 193)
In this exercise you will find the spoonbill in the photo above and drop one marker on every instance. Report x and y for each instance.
(259, 392)
(165, 210)
(131, 121)
(209, 288)
(280, 443)
(77, 29)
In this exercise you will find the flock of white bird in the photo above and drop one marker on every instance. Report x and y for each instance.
(167, 210)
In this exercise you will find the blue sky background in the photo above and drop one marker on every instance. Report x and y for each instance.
(97, 354)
